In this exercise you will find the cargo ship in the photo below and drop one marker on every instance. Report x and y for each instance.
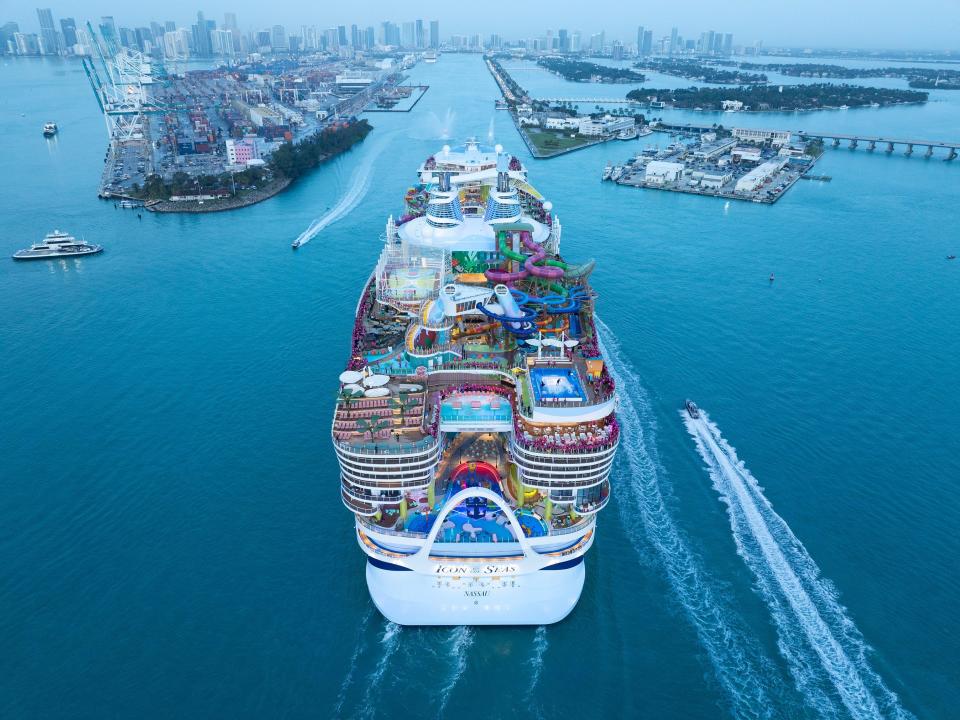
(475, 422)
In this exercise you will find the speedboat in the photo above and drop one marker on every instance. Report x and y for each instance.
(49, 129)
(692, 409)
(296, 244)
(951, 257)
(606, 172)
(57, 244)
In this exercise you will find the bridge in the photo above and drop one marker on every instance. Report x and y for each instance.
(854, 141)
(584, 101)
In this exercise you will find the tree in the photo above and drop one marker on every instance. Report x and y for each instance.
(372, 426)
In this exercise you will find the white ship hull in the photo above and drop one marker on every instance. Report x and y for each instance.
(537, 598)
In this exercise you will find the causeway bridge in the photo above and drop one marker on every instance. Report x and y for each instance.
(584, 101)
(888, 144)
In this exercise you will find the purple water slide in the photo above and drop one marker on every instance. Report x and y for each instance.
(539, 254)
(504, 276)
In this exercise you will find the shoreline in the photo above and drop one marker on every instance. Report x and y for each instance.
(221, 204)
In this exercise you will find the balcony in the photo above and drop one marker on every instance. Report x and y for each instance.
(357, 506)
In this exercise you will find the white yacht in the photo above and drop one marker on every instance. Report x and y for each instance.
(49, 129)
(475, 426)
(57, 244)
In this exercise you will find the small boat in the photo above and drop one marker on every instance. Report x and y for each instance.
(644, 131)
(57, 244)
(49, 129)
(772, 278)
(500, 104)
(844, 107)
(628, 134)
(606, 172)
(692, 410)
(296, 244)
(951, 257)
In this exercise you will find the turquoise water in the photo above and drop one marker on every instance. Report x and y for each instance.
(171, 535)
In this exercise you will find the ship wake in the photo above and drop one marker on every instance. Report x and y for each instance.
(459, 644)
(357, 190)
(540, 645)
(747, 677)
(389, 642)
(825, 652)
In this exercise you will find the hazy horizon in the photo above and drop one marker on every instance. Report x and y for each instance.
(927, 25)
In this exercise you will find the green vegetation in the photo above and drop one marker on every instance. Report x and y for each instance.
(287, 162)
(293, 160)
(581, 71)
(695, 70)
(928, 78)
(549, 142)
(814, 148)
(786, 97)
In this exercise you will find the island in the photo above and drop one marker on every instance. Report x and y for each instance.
(925, 78)
(694, 70)
(769, 98)
(582, 71)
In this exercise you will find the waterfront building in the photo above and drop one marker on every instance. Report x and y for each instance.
(241, 152)
(776, 138)
(661, 172)
(434, 34)
(754, 179)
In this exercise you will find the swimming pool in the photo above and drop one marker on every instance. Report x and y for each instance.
(559, 384)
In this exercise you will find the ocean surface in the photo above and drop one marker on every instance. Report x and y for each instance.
(172, 541)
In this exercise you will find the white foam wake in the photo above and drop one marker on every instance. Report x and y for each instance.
(389, 642)
(459, 645)
(826, 653)
(356, 191)
(352, 668)
(540, 645)
(746, 675)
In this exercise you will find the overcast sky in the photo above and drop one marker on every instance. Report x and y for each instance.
(919, 24)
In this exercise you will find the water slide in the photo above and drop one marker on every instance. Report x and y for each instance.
(505, 276)
(516, 319)
(546, 269)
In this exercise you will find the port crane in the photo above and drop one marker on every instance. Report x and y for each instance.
(120, 87)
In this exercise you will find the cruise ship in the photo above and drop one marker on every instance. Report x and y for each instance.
(475, 423)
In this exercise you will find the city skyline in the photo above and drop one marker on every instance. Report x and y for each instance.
(823, 25)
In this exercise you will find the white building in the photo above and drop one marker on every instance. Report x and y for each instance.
(715, 180)
(760, 174)
(259, 114)
(607, 125)
(776, 138)
(731, 105)
(746, 154)
(714, 149)
(659, 172)
(240, 153)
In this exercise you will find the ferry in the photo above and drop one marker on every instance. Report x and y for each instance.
(430, 56)
(644, 131)
(49, 129)
(57, 244)
(475, 422)
(630, 133)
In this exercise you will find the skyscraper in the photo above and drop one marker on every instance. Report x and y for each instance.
(48, 32)
(564, 40)
(342, 36)
(434, 34)
(356, 39)
(68, 28)
(369, 37)
(728, 44)
(640, 40)
(201, 37)
(407, 38)
(420, 38)
(647, 42)
(673, 40)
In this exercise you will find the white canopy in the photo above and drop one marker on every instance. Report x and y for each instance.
(377, 392)
(375, 381)
(553, 342)
(571, 343)
(350, 376)
(353, 389)
(533, 341)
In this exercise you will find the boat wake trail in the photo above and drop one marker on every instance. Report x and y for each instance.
(826, 653)
(747, 677)
(459, 645)
(389, 642)
(540, 645)
(357, 189)
(352, 668)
